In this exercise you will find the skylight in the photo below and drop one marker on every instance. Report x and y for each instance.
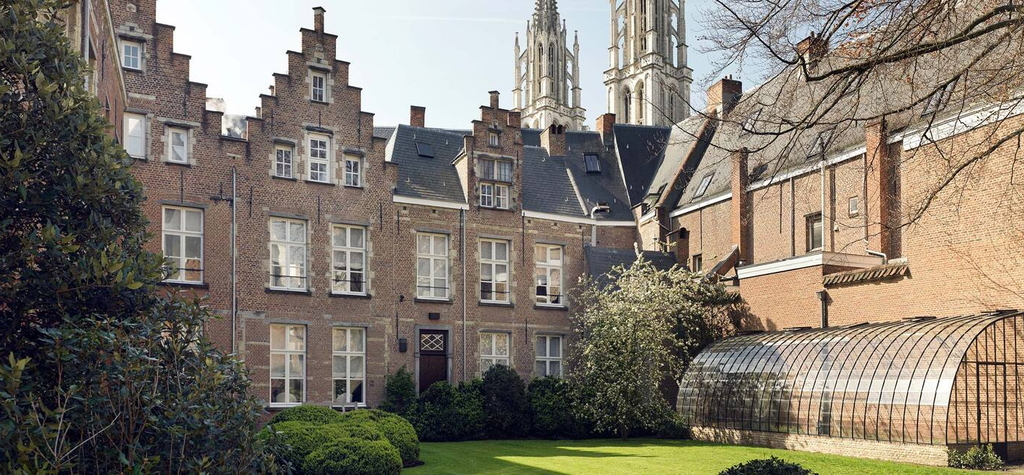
(592, 163)
(703, 186)
(940, 98)
(424, 150)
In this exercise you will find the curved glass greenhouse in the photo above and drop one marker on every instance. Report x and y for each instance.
(943, 381)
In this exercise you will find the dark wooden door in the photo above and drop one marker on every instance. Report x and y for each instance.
(433, 357)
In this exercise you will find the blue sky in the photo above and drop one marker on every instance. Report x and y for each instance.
(441, 54)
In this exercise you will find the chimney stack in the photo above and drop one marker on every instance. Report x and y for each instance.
(683, 247)
(494, 99)
(740, 215)
(606, 125)
(723, 95)
(553, 139)
(417, 116)
(812, 48)
(882, 201)
(515, 119)
(318, 19)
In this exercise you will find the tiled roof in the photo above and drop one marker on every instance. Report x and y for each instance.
(546, 185)
(601, 260)
(422, 177)
(640, 150)
(866, 275)
(596, 188)
(383, 132)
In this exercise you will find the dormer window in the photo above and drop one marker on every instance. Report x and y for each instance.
(424, 150)
(493, 139)
(749, 125)
(940, 98)
(703, 186)
(495, 176)
(592, 163)
(821, 143)
(318, 87)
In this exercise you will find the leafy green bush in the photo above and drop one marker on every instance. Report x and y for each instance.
(975, 458)
(395, 428)
(673, 427)
(768, 466)
(551, 403)
(505, 403)
(307, 413)
(300, 438)
(446, 413)
(399, 393)
(354, 457)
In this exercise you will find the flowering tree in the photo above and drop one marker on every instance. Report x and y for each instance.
(640, 329)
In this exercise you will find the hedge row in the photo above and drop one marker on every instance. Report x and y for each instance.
(319, 440)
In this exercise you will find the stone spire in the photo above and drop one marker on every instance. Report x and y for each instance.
(648, 80)
(546, 86)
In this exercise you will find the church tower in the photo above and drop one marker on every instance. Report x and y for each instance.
(648, 82)
(547, 73)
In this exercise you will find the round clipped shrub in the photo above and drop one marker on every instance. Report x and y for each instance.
(307, 413)
(551, 405)
(353, 457)
(768, 466)
(504, 402)
(446, 413)
(396, 429)
(300, 438)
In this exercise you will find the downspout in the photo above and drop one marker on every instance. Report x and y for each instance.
(87, 37)
(823, 296)
(465, 334)
(234, 261)
(824, 222)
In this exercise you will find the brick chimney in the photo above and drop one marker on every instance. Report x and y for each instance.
(553, 139)
(515, 119)
(723, 95)
(494, 99)
(318, 19)
(882, 198)
(812, 48)
(683, 247)
(606, 126)
(740, 214)
(417, 116)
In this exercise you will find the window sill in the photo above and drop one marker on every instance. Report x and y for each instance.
(285, 178)
(321, 183)
(428, 300)
(186, 285)
(271, 290)
(314, 101)
(342, 407)
(559, 308)
(492, 208)
(339, 295)
(179, 164)
(281, 406)
(354, 187)
(483, 303)
(129, 68)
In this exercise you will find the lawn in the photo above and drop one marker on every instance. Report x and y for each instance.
(593, 457)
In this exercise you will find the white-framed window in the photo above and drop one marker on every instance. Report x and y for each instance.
(431, 266)
(318, 87)
(501, 200)
(494, 271)
(487, 195)
(177, 146)
(496, 170)
(283, 161)
(494, 350)
(135, 135)
(348, 260)
(493, 195)
(349, 365)
(815, 238)
(287, 254)
(854, 206)
(287, 365)
(702, 187)
(493, 139)
(353, 171)
(319, 158)
(548, 261)
(183, 244)
(131, 54)
(697, 263)
(549, 356)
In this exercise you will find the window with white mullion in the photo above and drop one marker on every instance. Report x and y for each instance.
(183, 244)
(287, 364)
(131, 56)
(549, 356)
(494, 271)
(548, 261)
(494, 350)
(349, 365)
(431, 266)
(318, 87)
(319, 159)
(287, 254)
(135, 135)
(353, 171)
(283, 162)
(178, 145)
(349, 260)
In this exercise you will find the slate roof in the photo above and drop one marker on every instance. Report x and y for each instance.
(601, 260)
(426, 178)
(383, 132)
(546, 185)
(604, 187)
(641, 150)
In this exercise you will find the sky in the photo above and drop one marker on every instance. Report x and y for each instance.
(444, 55)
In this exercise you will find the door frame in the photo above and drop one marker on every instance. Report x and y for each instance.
(449, 353)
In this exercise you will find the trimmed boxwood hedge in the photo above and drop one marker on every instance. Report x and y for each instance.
(354, 457)
(768, 466)
(301, 438)
(396, 429)
(308, 413)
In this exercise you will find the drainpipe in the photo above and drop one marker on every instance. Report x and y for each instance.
(600, 208)
(823, 296)
(234, 261)
(885, 258)
(462, 238)
(87, 38)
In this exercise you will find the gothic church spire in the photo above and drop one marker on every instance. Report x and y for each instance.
(546, 74)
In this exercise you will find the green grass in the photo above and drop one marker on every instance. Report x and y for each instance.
(594, 457)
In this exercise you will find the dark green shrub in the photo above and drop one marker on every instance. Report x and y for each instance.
(399, 393)
(307, 413)
(551, 407)
(300, 438)
(505, 403)
(768, 466)
(446, 413)
(673, 427)
(975, 458)
(395, 428)
(354, 457)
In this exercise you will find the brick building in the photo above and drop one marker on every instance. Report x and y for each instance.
(338, 250)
